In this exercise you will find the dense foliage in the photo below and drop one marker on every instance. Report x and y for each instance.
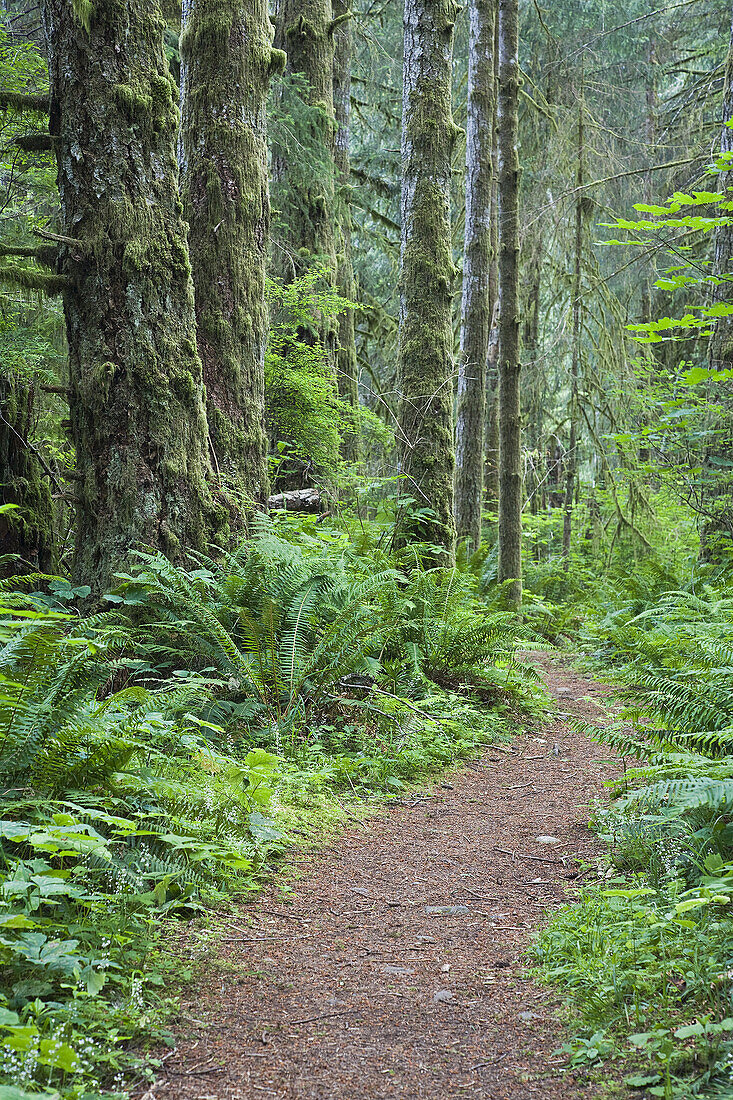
(158, 756)
(256, 301)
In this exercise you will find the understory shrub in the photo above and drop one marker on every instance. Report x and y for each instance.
(156, 757)
(647, 953)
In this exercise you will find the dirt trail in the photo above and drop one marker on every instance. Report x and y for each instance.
(398, 970)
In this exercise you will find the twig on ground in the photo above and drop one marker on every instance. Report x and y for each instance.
(321, 1016)
(525, 855)
(481, 897)
(268, 939)
(286, 916)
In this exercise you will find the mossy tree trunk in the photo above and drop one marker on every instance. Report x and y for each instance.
(571, 465)
(346, 363)
(137, 409)
(510, 424)
(425, 417)
(305, 31)
(491, 467)
(476, 299)
(226, 63)
(716, 532)
(27, 530)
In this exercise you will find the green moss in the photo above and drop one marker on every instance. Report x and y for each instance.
(134, 103)
(19, 101)
(136, 406)
(83, 10)
(426, 336)
(226, 54)
(31, 279)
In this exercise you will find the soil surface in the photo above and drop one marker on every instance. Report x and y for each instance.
(399, 969)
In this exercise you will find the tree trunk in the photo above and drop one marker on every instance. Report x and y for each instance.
(425, 417)
(718, 494)
(27, 530)
(571, 466)
(305, 32)
(491, 468)
(476, 301)
(510, 425)
(346, 366)
(226, 63)
(137, 410)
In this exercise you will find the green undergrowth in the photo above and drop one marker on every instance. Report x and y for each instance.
(163, 756)
(645, 955)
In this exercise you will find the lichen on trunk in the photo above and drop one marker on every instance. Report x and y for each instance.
(510, 418)
(716, 532)
(136, 403)
(476, 302)
(226, 63)
(426, 336)
(305, 32)
(346, 362)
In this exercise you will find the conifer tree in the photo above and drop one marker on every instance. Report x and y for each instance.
(226, 63)
(476, 305)
(346, 364)
(305, 31)
(426, 338)
(510, 421)
(718, 497)
(136, 403)
(26, 529)
(571, 460)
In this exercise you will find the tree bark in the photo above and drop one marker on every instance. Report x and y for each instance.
(571, 465)
(305, 32)
(136, 403)
(510, 425)
(226, 63)
(491, 469)
(346, 364)
(717, 495)
(476, 300)
(425, 418)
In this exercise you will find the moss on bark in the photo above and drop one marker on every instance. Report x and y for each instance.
(477, 257)
(716, 529)
(136, 403)
(346, 362)
(227, 60)
(510, 417)
(426, 278)
(304, 32)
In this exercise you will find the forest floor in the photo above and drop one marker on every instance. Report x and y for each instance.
(398, 969)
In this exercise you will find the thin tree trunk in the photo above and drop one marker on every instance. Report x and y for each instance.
(571, 466)
(510, 424)
(717, 495)
(305, 31)
(346, 364)
(650, 136)
(425, 415)
(491, 471)
(226, 63)
(27, 530)
(136, 403)
(721, 343)
(476, 301)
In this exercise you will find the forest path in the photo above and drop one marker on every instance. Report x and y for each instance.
(359, 990)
